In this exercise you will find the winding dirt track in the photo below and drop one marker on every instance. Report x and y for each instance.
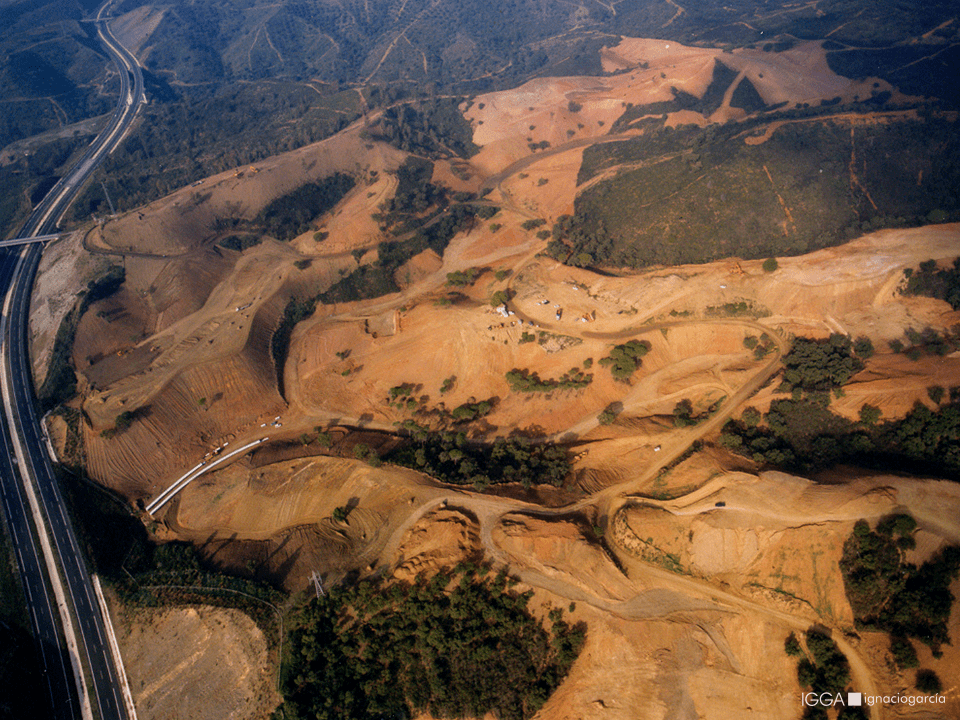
(601, 507)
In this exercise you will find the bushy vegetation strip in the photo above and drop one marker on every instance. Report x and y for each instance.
(802, 433)
(889, 594)
(805, 435)
(450, 458)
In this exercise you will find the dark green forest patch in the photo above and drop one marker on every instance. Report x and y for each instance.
(931, 281)
(208, 129)
(435, 128)
(449, 457)
(826, 670)
(704, 194)
(926, 70)
(805, 435)
(290, 215)
(888, 594)
(802, 433)
(746, 97)
(460, 644)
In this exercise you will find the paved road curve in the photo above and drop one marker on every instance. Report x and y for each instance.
(71, 636)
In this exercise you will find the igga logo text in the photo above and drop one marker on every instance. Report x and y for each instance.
(830, 699)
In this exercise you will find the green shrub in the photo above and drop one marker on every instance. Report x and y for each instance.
(624, 360)
(607, 417)
(928, 682)
(903, 652)
(791, 646)
(863, 347)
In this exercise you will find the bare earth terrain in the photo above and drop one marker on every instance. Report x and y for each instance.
(690, 571)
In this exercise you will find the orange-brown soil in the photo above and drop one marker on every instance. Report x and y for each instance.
(198, 663)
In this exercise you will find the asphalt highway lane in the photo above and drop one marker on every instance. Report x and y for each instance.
(28, 485)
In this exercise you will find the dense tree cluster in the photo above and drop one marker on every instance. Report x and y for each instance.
(191, 132)
(434, 127)
(471, 411)
(820, 364)
(449, 457)
(290, 215)
(458, 644)
(804, 435)
(240, 242)
(761, 346)
(930, 281)
(929, 341)
(296, 310)
(889, 594)
(415, 192)
(828, 670)
(523, 380)
(624, 360)
(690, 195)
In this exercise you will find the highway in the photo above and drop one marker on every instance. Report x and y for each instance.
(80, 670)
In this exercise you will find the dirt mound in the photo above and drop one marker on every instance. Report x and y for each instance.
(563, 551)
(440, 539)
(197, 662)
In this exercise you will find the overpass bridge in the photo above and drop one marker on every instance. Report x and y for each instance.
(28, 240)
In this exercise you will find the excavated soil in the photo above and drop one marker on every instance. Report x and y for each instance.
(197, 662)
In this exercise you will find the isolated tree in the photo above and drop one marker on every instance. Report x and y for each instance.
(935, 393)
(124, 420)
(606, 417)
(928, 682)
(903, 652)
(751, 417)
(340, 514)
(770, 265)
(863, 347)
(792, 646)
(499, 298)
(869, 414)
